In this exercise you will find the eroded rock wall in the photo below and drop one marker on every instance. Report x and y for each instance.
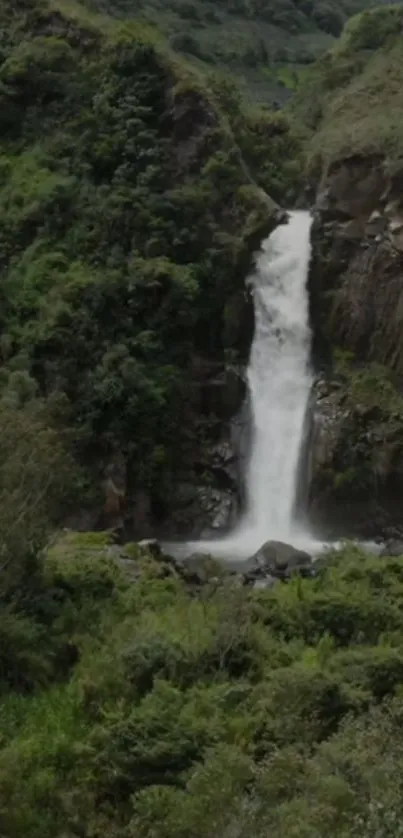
(356, 285)
(357, 270)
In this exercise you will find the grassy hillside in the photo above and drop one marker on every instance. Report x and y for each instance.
(260, 42)
(352, 99)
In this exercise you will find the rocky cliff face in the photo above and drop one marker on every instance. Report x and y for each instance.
(357, 308)
(349, 115)
(355, 464)
(357, 272)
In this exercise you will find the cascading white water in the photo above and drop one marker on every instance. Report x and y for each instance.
(279, 383)
(280, 380)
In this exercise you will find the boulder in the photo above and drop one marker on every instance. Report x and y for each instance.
(278, 559)
(392, 548)
(200, 569)
(259, 579)
(266, 583)
(152, 546)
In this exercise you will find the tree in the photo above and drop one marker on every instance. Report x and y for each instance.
(34, 475)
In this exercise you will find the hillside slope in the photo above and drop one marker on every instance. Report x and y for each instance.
(351, 109)
(260, 42)
(351, 100)
(128, 221)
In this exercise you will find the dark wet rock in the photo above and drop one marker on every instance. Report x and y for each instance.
(392, 548)
(152, 546)
(201, 511)
(356, 291)
(195, 569)
(274, 562)
(218, 390)
(276, 559)
(258, 578)
(277, 555)
(223, 464)
(219, 509)
(265, 583)
(139, 518)
(355, 462)
(219, 387)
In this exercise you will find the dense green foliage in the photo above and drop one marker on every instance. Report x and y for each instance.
(352, 100)
(133, 705)
(262, 37)
(37, 481)
(129, 211)
(128, 218)
(144, 709)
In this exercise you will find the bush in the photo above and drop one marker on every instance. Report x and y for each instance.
(35, 474)
(25, 657)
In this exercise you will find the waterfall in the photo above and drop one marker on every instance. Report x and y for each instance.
(279, 386)
(279, 381)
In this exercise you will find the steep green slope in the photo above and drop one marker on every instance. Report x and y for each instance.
(127, 222)
(261, 42)
(351, 101)
(349, 112)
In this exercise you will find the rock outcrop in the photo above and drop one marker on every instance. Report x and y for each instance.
(349, 113)
(356, 280)
(276, 560)
(356, 284)
(355, 465)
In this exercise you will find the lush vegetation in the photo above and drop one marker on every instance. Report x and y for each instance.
(128, 220)
(143, 708)
(265, 43)
(134, 704)
(352, 100)
(130, 207)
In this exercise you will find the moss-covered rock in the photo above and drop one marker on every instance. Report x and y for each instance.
(356, 460)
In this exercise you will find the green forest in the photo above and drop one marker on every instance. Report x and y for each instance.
(140, 705)
(266, 41)
(130, 212)
(135, 175)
